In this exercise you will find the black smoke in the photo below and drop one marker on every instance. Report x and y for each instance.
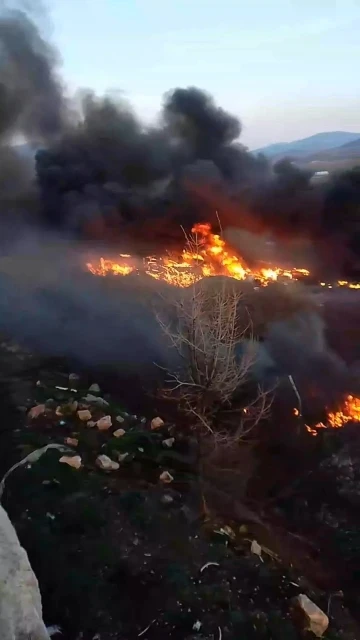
(31, 96)
(100, 172)
(32, 113)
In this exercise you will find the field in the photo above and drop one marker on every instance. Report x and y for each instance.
(123, 551)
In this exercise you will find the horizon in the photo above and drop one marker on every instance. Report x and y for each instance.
(285, 71)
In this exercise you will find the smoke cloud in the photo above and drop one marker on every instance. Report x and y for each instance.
(100, 173)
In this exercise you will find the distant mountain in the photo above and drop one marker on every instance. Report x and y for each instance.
(309, 146)
(345, 151)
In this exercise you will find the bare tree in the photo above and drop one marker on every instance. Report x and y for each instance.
(208, 325)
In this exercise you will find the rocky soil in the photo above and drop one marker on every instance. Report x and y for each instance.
(117, 534)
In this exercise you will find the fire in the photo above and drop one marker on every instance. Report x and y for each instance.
(206, 254)
(349, 412)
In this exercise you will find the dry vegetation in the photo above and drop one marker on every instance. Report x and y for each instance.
(215, 326)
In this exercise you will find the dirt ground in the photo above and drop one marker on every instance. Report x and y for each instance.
(122, 555)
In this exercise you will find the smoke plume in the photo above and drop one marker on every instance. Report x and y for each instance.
(101, 174)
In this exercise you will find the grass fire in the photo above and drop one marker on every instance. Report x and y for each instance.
(206, 255)
(179, 352)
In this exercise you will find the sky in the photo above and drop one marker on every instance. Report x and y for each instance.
(287, 68)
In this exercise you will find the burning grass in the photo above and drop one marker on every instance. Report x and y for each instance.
(349, 411)
(205, 254)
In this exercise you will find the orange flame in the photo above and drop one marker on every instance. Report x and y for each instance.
(349, 412)
(206, 255)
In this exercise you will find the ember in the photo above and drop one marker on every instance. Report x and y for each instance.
(207, 254)
(350, 412)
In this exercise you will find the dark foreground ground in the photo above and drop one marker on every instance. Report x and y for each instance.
(123, 555)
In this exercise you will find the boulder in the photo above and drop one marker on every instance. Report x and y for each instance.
(37, 411)
(20, 602)
(106, 464)
(156, 423)
(311, 617)
(119, 433)
(72, 461)
(84, 415)
(104, 423)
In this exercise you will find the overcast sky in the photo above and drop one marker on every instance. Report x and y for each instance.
(287, 68)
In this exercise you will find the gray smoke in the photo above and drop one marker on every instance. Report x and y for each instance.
(31, 98)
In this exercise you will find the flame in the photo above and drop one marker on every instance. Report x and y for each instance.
(349, 412)
(207, 254)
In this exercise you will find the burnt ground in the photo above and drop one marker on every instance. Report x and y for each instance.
(115, 553)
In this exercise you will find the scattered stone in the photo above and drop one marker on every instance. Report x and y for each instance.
(120, 419)
(72, 461)
(106, 464)
(73, 442)
(104, 423)
(122, 456)
(256, 548)
(228, 531)
(313, 618)
(167, 499)
(168, 443)
(94, 388)
(74, 377)
(156, 423)
(91, 399)
(84, 415)
(119, 433)
(166, 477)
(91, 424)
(36, 411)
(143, 420)
(197, 625)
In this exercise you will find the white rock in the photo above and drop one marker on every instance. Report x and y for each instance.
(72, 461)
(20, 602)
(106, 464)
(119, 433)
(91, 399)
(166, 477)
(95, 388)
(104, 423)
(255, 548)
(156, 423)
(168, 443)
(35, 412)
(120, 419)
(91, 424)
(72, 442)
(314, 619)
(167, 499)
(122, 456)
(84, 415)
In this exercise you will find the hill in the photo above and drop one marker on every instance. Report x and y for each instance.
(345, 151)
(308, 146)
